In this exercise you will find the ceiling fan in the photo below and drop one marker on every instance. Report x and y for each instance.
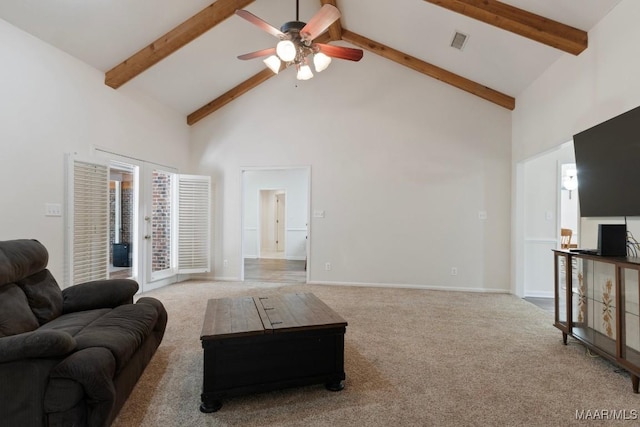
(296, 43)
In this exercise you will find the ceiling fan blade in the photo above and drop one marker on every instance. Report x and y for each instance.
(258, 53)
(260, 23)
(340, 52)
(326, 16)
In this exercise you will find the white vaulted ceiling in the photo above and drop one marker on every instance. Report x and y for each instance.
(105, 33)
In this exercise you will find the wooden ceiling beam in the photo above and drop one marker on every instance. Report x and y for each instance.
(526, 24)
(335, 29)
(336, 32)
(430, 70)
(181, 35)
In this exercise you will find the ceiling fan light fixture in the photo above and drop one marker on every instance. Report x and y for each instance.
(304, 72)
(274, 63)
(286, 50)
(321, 61)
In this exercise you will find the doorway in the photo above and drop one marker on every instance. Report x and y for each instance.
(275, 216)
(539, 197)
(141, 221)
(569, 215)
(272, 224)
(122, 216)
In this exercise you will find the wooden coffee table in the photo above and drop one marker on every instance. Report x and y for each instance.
(257, 344)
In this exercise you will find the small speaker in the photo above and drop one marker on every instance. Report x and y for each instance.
(121, 255)
(612, 240)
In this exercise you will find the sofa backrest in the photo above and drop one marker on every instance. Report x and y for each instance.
(29, 294)
(20, 259)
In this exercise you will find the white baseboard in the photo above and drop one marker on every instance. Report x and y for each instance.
(411, 286)
(539, 294)
(226, 279)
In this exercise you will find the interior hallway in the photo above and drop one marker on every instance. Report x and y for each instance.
(274, 270)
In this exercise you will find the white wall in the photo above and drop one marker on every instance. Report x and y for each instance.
(52, 104)
(295, 183)
(401, 164)
(574, 94)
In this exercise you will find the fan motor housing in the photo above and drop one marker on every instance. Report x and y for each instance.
(294, 26)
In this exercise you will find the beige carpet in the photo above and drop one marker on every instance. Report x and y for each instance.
(412, 358)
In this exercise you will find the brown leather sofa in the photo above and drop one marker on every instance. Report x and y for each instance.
(69, 357)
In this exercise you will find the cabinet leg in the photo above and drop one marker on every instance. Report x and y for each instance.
(634, 382)
(334, 385)
(207, 406)
(564, 338)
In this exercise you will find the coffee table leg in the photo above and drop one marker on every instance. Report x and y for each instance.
(334, 385)
(210, 405)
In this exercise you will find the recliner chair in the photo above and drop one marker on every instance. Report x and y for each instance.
(69, 357)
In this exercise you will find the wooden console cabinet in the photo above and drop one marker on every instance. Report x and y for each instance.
(597, 302)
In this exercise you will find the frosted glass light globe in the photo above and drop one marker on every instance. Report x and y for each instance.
(286, 50)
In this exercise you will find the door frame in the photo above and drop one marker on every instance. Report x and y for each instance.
(242, 212)
(141, 259)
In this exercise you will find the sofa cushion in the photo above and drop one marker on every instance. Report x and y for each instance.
(15, 315)
(44, 295)
(73, 323)
(121, 330)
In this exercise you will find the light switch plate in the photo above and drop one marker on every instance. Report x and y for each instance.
(52, 209)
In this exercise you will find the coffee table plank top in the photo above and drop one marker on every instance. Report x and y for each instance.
(245, 316)
(231, 317)
(299, 311)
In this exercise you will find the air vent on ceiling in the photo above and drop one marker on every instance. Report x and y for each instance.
(459, 40)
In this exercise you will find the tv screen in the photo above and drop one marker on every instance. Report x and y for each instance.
(608, 164)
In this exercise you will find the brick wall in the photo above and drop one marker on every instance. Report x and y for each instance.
(126, 205)
(161, 222)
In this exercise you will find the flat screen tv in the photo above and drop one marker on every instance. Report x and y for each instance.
(608, 164)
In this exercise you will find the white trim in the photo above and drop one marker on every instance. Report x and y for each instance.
(411, 286)
(540, 294)
(225, 279)
(383, 285)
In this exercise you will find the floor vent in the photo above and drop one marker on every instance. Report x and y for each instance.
(459, 40)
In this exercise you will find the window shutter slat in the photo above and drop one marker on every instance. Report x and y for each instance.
(89, 234)
(194, 212)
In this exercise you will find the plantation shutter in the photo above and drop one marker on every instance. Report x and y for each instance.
(194, 213)
(87, 221)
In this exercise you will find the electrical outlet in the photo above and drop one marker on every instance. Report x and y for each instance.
(454, 271)
(327, 266)
(225, 263)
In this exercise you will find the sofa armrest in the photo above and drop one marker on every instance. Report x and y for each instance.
(36, 344)
(161, 324)
(98, 294)
(93, 370)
